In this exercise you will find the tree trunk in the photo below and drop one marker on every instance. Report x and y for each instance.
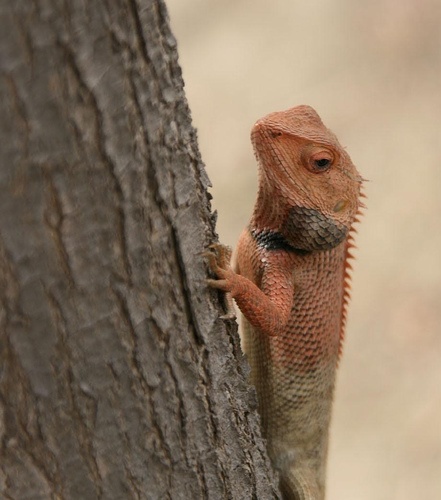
(117, 377)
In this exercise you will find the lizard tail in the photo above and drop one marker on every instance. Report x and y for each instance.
(300, 484)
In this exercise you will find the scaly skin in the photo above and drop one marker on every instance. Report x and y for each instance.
(290, 283)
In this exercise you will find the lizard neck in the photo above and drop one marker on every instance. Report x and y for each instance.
(270, 211)
(303, 228)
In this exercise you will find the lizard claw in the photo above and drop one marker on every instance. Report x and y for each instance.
(223, 253)
(218, 260)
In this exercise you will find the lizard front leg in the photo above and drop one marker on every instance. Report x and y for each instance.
(267, 308)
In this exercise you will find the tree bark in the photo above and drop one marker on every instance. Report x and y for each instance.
(117, 377)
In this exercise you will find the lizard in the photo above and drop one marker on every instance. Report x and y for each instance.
(291, 283)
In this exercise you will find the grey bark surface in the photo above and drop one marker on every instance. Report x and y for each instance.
(117, 377)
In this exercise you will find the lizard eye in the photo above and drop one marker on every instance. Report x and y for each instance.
(321, 161)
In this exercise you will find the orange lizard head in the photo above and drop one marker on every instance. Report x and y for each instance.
(308, 186)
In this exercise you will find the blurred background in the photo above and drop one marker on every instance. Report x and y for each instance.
(372, 70)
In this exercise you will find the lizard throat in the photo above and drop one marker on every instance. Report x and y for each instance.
(309, 230)
(272, 240)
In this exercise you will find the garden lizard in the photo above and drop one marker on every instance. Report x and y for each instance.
(290, 281)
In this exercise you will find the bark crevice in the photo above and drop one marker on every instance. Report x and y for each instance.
(117, 377)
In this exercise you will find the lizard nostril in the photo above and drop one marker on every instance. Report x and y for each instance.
(340, 205)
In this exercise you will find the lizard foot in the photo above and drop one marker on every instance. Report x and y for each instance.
(219, 258)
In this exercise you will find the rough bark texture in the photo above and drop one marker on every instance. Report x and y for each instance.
(117, 379)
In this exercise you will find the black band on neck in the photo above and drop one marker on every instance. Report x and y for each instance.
(272, 240)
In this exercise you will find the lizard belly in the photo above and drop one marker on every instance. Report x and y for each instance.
(294, 372)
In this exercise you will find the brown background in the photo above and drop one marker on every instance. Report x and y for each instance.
(373, 72)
